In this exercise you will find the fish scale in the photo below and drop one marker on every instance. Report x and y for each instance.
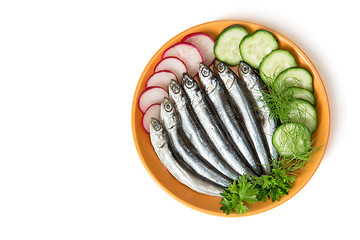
(241, 100)
(221, 103)
(208, 119)
(195, 133)
(163, 149)
(184, 149)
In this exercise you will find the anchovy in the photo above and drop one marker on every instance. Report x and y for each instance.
(208, 120)
(221, 103)
(195, 133)
(183, 148)
(256, 88)
(162, 147)
(242, 104)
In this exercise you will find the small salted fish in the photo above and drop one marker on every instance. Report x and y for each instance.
(161, 144)
(256, 88)
(184, 149)
(208, 119)
(217, 94)
(242, 103)
(195, 133)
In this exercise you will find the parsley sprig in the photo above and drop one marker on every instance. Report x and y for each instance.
(273, 186)
(236, 194)
(248, 190)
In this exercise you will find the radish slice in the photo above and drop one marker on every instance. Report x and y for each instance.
(161, 79)
(172, 64)
(152, 111)
(188, 53)
(204, 43)
(150, 96)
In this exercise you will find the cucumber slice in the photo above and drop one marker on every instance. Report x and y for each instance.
(294, 77)
(300, 93)
(226, 48)
(274, 63)
(292, 139)
(301, 111)
(254, 47)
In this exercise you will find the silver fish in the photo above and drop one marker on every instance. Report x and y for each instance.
(242, 104)
(162, 147)
(208, 119)
(221, 102)
(256, 88)
(183, 148)
(195, 133)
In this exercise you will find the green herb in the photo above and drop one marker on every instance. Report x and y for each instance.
(277, 102)
(274, 186)
(250, 189)
(280, 103)
(292, 165)
(237, 194)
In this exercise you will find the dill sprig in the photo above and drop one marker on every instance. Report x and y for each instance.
(277, 102)
(292, 164)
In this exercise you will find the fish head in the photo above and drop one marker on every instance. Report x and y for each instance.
(224, 73)
(207, 78)
(157, 133)
(220, 67)
(177, 94)
(192, 90)
(168, 114)
(247, 74)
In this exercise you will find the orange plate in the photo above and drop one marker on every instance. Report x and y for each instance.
(209, 204)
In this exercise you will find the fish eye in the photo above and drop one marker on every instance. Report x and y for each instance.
(168, 107)
(156, 125)
(221, 67)
(245, 69)
(205, 72)
(189, 83)
(175, 88)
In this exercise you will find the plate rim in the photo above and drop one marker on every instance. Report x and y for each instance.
(203, 210)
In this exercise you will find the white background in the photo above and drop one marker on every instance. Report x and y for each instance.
(68, 165)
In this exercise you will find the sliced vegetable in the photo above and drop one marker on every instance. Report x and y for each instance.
(226, 46)
(150, 96)
(301, 111)
(292, 139)
(161, 79)
(274, 63)
(152, 111)
(204, 43)
(300, 93)
(188, 53)
(254, 47)
(294, 77)
(172, 64)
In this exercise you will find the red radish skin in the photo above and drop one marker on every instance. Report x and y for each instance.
(188, 53)
(152, 111)
(150, 96)
(172, 64)
(204, 43)
(161, 79)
